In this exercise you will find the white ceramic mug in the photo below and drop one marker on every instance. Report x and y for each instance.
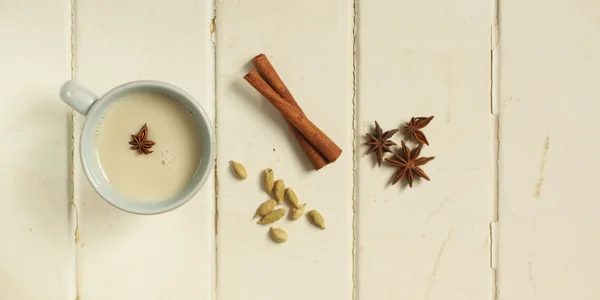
(93, 108)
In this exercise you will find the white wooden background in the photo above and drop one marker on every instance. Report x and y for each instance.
(510, 212)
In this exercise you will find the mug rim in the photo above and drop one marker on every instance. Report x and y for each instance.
(193, 187)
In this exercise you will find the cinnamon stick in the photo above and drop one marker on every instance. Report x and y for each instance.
(314, 135)
(267, 71)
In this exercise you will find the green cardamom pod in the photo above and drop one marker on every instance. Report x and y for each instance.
(239, 170)
(297, 212)
(279, 191)
(269, 180)
(291, 197)
(272, 217)
(265, 208)
(278, 235)
(316, 219)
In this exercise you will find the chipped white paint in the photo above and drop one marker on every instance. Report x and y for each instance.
(549, 226)
(438, 240)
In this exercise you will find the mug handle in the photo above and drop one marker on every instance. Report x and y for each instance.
(77, 96)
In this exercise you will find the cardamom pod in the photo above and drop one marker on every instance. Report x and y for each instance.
(269, 177)
(297, 212)
(265, 208)
(316, 219)
(239, 170)
(279, 191)
(278, 235)
(272, 217)
(290, 195)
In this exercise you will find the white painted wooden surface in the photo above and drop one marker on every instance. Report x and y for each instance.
(37, 259)
(125, 256)
(549, 226)
(348, 64)
(316, 65)
(431, 241)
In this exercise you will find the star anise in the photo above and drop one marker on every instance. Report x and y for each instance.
(379, 142)
(140, 143)
(413, 128)
(408, 162)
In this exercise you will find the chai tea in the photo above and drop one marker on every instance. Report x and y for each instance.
(176, 154)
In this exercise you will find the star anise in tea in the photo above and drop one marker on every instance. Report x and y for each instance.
(379, 142)
(140, 143)
(413, 129)
(408, 162)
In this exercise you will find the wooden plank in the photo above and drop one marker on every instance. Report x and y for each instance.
(548, 223)
(431, 241)
(35, 214)
(310, 44)
(125, 256)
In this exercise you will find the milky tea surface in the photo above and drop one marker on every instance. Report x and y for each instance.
(177, 152)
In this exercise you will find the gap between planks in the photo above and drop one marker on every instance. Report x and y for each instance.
(354, 147)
